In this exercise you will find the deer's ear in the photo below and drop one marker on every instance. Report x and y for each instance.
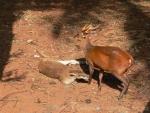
(89, 27)
(85, 27)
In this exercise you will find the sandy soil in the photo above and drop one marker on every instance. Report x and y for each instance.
(50, 27)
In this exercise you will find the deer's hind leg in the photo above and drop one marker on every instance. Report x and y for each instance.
(100, 80)
(125, 83)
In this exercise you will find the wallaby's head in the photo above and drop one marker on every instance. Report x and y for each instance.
(68, 77)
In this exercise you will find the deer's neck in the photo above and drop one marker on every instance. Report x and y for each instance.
(88, 45)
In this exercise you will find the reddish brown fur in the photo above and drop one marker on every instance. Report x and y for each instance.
(107, 59)
(110, 59)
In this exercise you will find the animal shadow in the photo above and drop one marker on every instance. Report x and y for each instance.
(108, 79)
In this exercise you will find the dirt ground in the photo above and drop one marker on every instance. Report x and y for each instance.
(49, 27)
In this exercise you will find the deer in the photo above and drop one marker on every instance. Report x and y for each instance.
(107, 59)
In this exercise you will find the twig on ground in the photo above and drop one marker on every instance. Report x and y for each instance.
(5, 99)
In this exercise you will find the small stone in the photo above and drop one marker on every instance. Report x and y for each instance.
(88, 101)
(36, 56)
(94, 92)
(52, 82)
(98, 108)
(33, 79)
(38, 100)
(29, 41)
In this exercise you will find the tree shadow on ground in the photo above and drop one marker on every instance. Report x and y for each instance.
(137, 26)
(147, 108)
(75, 11)
(7, 18)
(10, 11)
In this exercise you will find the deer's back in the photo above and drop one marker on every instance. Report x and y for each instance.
(109, 59)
